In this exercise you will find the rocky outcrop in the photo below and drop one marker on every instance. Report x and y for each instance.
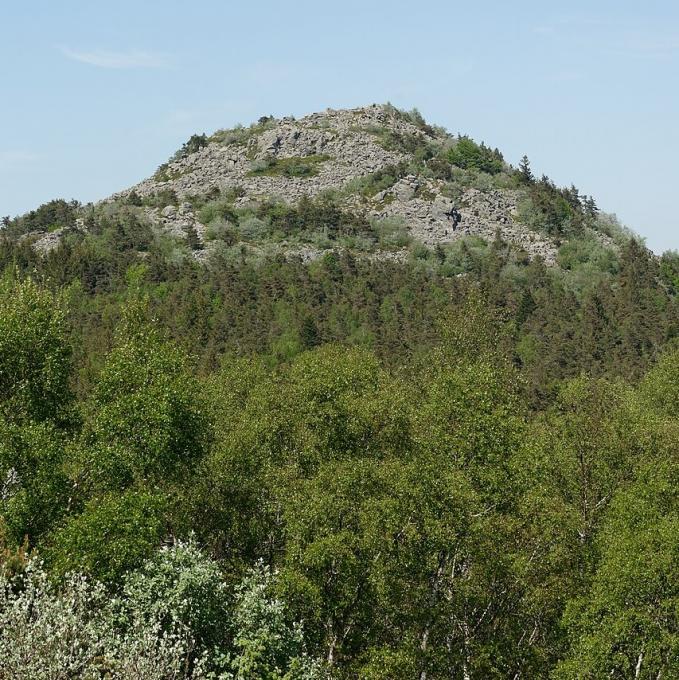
(434, 218)
(348, 140)
(332, 150)
(177, 221)
(44, 242)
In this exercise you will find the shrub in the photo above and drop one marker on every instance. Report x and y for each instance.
(240, 135)
(220, 209)
(318, 215)
(48, 217)
(611, 226)
(586, 250)
(468, 154)
(221, 230)
(173, 618)
(252, 228)
(392, 232)
(266, 645)
(45, 633)
(161, 199)
(195, 143)
(377, 181)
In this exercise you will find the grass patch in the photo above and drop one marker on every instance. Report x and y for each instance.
(295, 166)
(380, 180)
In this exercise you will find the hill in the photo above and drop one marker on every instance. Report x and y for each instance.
(362, 226)
(344, 397)
(400, 180)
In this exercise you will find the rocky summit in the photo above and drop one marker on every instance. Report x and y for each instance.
(332, 152)
(414, 184)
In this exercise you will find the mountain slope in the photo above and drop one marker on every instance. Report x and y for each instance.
(377, 162)
(374, 181)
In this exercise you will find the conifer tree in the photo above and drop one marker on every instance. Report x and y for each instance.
(525, 172)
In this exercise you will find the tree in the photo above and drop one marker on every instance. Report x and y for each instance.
(467, 154)
(590, 207)
(266, 644)
(35, 358)
(641, 324)
(192, 238)
(113, 533)
(146, 417)
(626, 625)
(525, 173)
(34, 486)
(669, 270)
(331, 403)
(195, 143)
(660, 386)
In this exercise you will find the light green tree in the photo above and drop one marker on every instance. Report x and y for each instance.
(626, 625)
(34, 487)
(114, 533)
(146, 418)
(34, 352)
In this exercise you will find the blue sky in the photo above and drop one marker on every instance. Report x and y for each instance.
(95, 95)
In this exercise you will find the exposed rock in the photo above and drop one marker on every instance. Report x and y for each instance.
(341, 146)
(176, 221)
(348, 138)
(47, 241)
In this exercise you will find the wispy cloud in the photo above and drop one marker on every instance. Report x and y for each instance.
(652, 45)
(611, 36)
(11, 160)
(116, 59)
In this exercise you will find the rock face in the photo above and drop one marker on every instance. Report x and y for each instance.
(177, 221)
(46, 242)
(344, 138)
(287, 159)
(432, 220)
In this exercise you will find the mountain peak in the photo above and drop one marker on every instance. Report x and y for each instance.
(405, 181)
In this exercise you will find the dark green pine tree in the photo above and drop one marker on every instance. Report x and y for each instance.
(192, 239)
(640, 316)
(525, 308)
(525, 172)
(597, 331)
(590, 207)
(308, 333)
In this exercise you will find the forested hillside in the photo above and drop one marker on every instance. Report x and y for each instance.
(332, 447)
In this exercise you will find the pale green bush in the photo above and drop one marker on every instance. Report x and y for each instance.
(174, 618)
(392, 232)
(252, 228)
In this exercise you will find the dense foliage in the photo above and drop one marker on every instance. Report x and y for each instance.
(437, 475)
(462, 463)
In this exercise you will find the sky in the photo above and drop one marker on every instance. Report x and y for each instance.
(95, 95)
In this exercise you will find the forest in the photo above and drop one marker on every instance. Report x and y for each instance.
(459, 465)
